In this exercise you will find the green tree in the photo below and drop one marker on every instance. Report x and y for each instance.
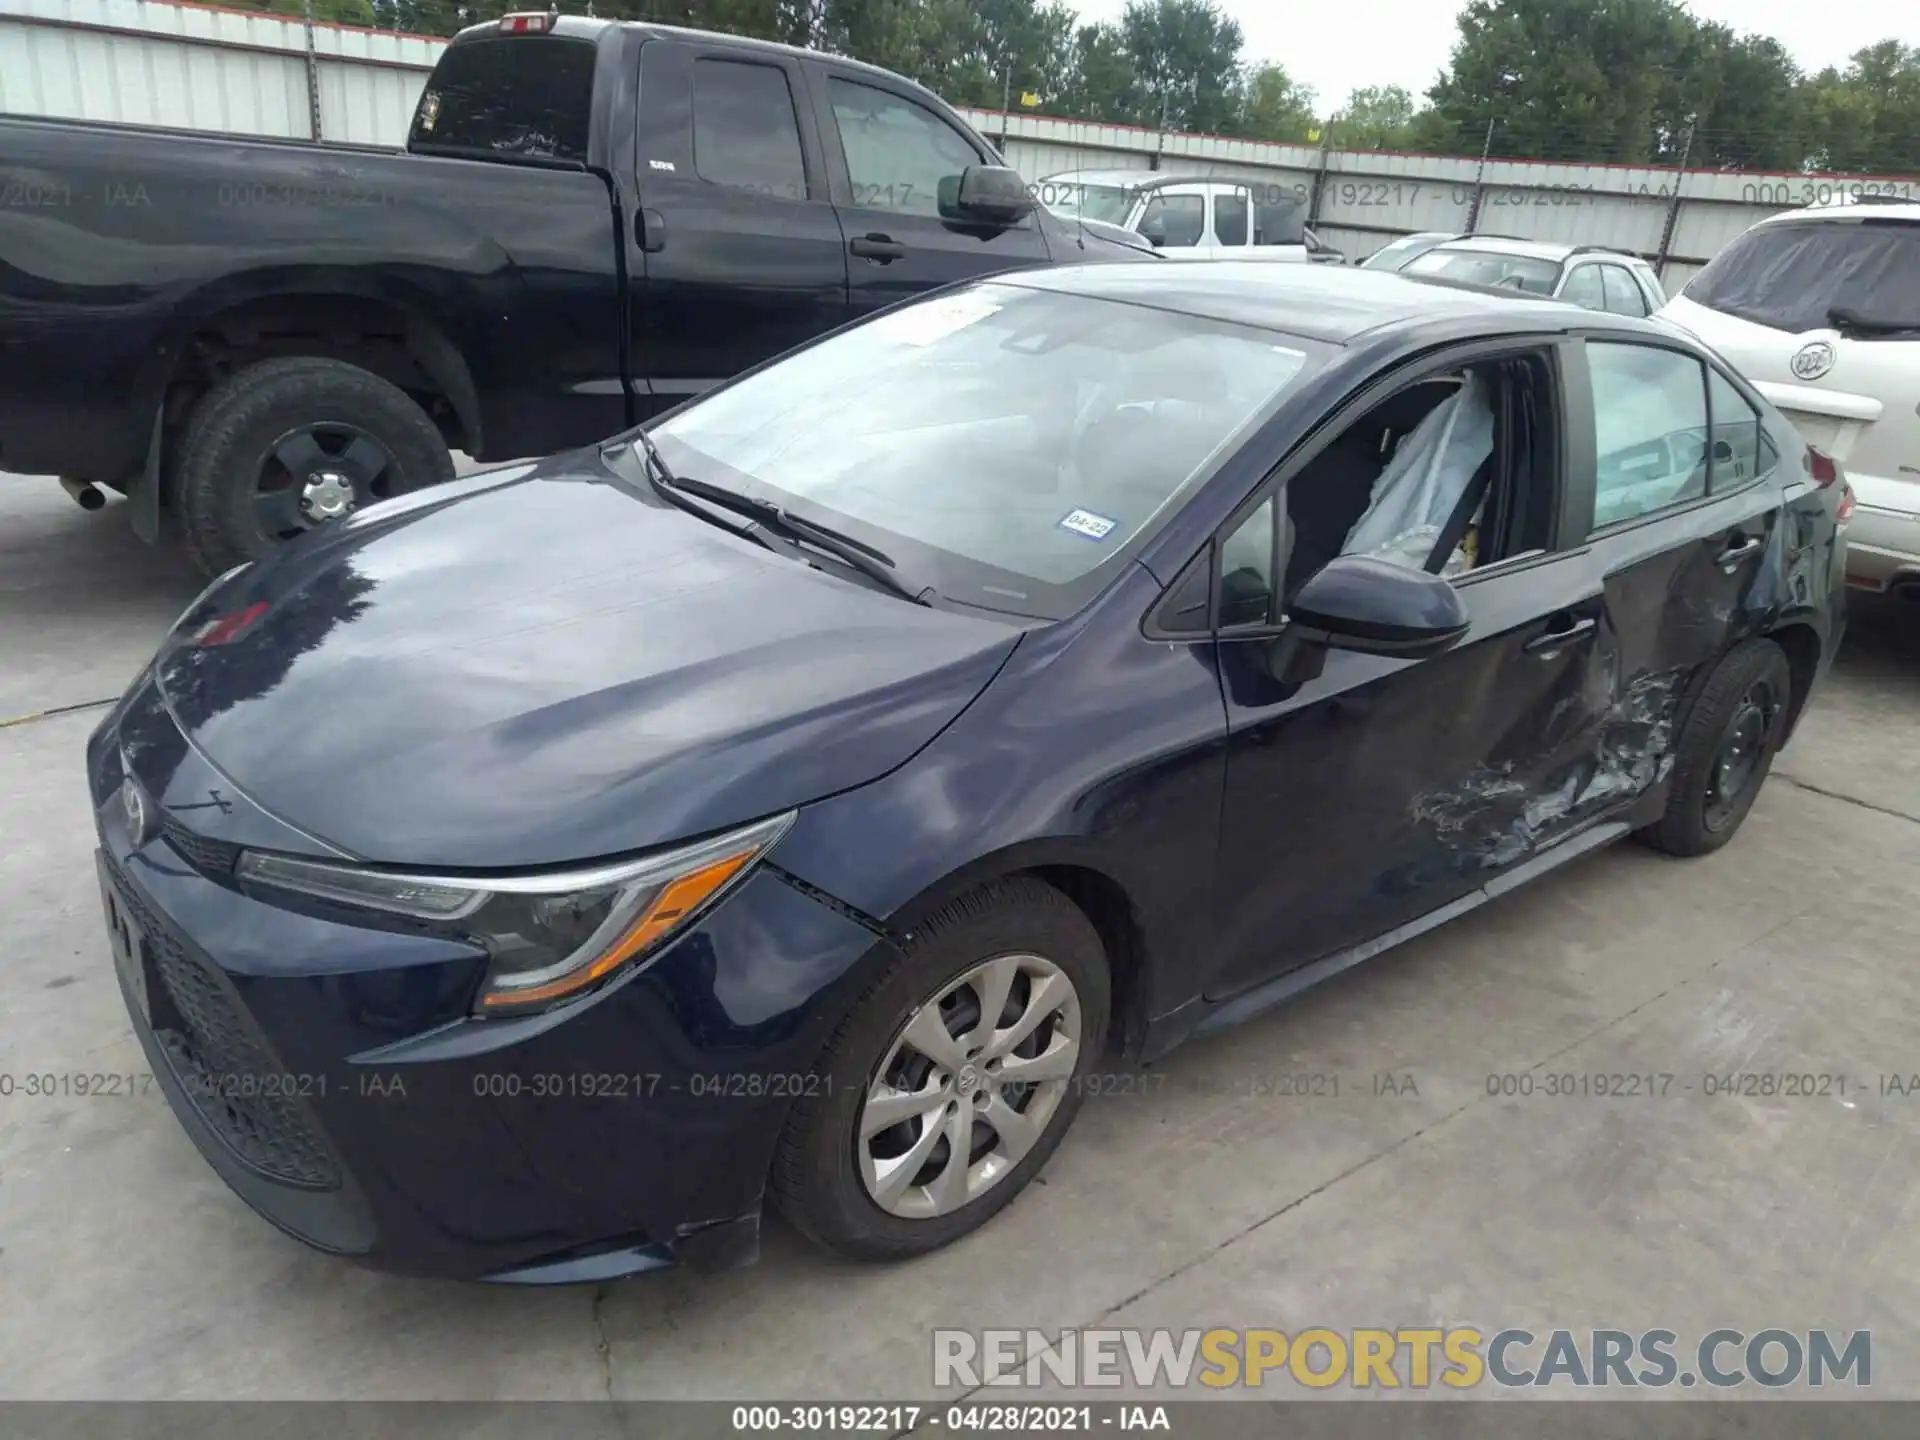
(1564, 79)
(1186, 63)
(1100, 83)
(1274, 107)
(338, 12)
(1375, 117)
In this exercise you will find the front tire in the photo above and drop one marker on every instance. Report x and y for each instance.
(1725, 749)
(288, 445)
(952, 1080)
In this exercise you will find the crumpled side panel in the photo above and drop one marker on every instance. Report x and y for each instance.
(1494, 818)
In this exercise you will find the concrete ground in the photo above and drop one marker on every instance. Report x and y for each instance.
(128, 1270)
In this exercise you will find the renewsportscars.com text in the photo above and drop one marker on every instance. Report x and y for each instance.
(1319, 1358)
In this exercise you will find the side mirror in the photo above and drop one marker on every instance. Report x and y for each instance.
(986, 194)
(1359, 603)
(1154, 230)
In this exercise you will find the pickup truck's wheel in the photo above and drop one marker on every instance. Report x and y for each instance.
(287, 445)
(1725, 749)
(952, 1080)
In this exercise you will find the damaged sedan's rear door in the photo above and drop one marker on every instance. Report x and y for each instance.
(1678, 500)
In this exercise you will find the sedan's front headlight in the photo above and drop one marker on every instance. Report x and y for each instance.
(552, 937)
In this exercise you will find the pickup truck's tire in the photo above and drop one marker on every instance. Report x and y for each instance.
(286, 445)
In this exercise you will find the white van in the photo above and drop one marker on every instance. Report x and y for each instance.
(1188, 217)
(1820, 309)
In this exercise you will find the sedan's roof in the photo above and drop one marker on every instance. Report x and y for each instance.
(1331, 303)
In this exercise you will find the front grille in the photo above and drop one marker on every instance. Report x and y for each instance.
(233, 1082)
(209, 857)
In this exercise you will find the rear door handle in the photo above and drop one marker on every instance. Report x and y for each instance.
(1567, 630)
(883, 248)
(1738, 551)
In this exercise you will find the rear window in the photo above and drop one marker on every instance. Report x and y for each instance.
(1489, 267)
(1279, 220)
(1862, 277)
(522, 96)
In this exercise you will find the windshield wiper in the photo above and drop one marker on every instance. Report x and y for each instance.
(875, 564)
(1844, 318)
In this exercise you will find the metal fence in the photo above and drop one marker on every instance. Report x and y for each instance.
(161, 63)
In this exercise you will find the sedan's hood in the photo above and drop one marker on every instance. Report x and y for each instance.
(552, 669)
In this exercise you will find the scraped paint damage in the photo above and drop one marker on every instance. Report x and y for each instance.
(1495, 817)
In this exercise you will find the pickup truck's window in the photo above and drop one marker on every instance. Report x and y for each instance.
(523, 95)
(1650, 430)
(1862, 276)
(897, 152)
(1174, 221)
(1010, 446)
(744, 131)
(1230, 219)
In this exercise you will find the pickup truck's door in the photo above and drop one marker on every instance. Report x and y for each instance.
(739, 245)
(887, 153)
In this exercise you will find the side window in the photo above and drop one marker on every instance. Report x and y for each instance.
(1175, 221)
(1246, 571)
(745, 135)
(1737, 455)
(897, 152)
(1624, 297)
(1583, 287)
(1433, 486)
(1230, 218)
(1650, 430)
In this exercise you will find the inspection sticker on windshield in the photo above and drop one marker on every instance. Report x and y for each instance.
(1085, 522)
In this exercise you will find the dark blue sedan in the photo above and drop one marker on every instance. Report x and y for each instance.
(532, 877)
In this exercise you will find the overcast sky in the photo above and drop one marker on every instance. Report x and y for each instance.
(1337, 46)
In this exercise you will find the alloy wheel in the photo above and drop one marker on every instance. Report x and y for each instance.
(318, 473)
(968, 1086)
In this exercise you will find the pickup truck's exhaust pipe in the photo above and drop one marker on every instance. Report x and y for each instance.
(86, 494)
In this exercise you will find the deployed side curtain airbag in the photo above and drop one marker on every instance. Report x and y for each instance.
(1424, 481)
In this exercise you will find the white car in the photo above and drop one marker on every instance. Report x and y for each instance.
(1589, 275)
(1188, 217)
(1820, 309)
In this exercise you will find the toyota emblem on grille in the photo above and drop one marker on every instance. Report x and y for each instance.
(1812, 360)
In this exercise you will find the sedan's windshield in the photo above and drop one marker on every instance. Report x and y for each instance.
(1488, 267)
(1007, 445)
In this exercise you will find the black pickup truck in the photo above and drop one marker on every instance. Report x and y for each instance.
(591, 222)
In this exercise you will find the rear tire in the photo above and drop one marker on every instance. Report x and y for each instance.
(349, 438)
(854, 1194)
(1725, 749)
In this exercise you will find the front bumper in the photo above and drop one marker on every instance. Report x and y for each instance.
(329, 1073)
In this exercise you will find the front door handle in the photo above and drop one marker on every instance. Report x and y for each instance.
(650, 229)
(883, 248)
(1739, 550)
(1566, 630)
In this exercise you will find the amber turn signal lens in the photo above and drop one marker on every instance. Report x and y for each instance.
(675, 902)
